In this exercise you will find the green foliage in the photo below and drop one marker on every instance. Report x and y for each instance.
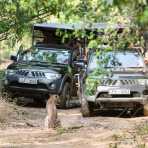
(61, 130)
(2, 73)
(143, 129)
(144, 17)
(94, 78)
(17, 16)
(93, 44)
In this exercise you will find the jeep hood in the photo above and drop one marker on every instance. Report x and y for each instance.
(129, 73)
(39, 67)
(123, 74)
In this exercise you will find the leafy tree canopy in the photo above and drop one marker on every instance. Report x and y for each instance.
(17, 16)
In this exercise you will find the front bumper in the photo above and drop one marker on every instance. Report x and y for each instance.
(139, 89)
(26, 90)
(43, 86)
(143, 99)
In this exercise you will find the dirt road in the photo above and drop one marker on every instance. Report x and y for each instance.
(25, 128)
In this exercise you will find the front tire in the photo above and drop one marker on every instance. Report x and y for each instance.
(145, 110)
(8, 96)
(87, 108)
(65, 96)
(141, 110)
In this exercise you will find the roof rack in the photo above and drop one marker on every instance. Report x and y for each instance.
(53, 46)
(77, 26)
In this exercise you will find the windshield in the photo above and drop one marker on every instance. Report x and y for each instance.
(116, 60)
(50, 56)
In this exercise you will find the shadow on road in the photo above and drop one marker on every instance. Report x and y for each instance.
(117, 113)
(28, 103)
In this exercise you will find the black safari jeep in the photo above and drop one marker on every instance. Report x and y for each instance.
(123, 86)
(42, 71)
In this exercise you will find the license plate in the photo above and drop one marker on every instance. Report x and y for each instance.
(28, 81)
(119, 92)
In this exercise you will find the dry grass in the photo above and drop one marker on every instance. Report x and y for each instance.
(7, 113)
(5, 110)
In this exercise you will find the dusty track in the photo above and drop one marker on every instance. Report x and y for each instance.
(24, 127)
(105, 130)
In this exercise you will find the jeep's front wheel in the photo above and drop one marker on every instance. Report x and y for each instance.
(145, 110)
(8, 96)
(141, 110)
(87, 108)
(65, 96)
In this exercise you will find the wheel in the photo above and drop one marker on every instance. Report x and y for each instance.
(39, 102)
(138, 110)
(65, 96)
(87, 108)
(141, 110)
(11, 97)
(145, 110)
(7, 96)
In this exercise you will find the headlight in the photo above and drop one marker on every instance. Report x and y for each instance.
(142, 81)
(52, 76)
(9, 72)
(146, 82)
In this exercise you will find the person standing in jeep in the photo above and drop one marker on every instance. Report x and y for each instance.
(40, 72)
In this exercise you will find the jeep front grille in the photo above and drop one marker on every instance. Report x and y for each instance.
(22, 72)
(37, 74)
(31, 73)
(24, 85)
(111, 82)
(107, 95)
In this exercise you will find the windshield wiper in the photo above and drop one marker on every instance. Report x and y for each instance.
(59, 63)
(38, 61)
(134, 67)
(123, 67)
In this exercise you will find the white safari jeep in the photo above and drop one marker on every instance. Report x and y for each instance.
(125, 86)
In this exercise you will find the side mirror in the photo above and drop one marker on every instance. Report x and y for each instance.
(79, 64)
(13, 58)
